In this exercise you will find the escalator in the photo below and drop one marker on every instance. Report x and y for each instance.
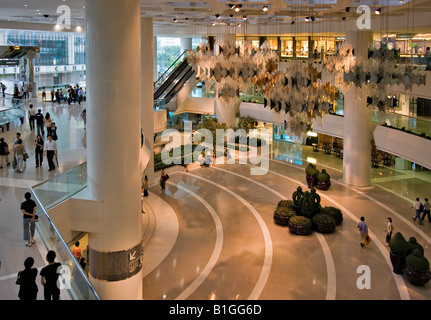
(173, 80)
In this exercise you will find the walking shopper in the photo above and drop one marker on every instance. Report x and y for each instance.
(47, 122)
(39, 122)
(426, 210)
(418, 208)
(28, 208)
(31, 116)
(38, 150)
(27, 281)
(4, 153)
(50, 150)
(49, 276)
(19, 152)
(363, 230)
(163, 178)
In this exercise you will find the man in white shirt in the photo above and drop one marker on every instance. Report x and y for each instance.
(31, 116)
(50, 149)
(417, 206)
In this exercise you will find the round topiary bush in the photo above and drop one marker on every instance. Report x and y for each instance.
(398, 250)
(283, 214)
(323, 180)
(323, 223)
(334, 212)
(285, 203)
(300, 225)
(412, 245)
(417, 268)
(311, 175)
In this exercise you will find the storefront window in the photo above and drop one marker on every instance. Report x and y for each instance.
(301, 47)
(286, 47)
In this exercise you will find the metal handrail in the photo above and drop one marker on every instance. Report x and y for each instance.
(170, 67)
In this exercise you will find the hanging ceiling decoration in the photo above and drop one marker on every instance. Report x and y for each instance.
(299, 95)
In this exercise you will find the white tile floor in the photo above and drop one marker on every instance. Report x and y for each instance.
(211, 235)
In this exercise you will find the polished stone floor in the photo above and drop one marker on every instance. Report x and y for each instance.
(211, 234)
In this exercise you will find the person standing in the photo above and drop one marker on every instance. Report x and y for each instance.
(52, 94)
(31, 116)
(363, 230)
(38, 150)
(27, 281)
(19, 152)
(50, 150)
(84, 118)
(48, 122)
(4, 153)
(3, 89)
(163, 178)
(77, 252)
(418, 206)
(43, 94)
(53, 131)
(426, 210)
(389, 229)
(39, 122)
(49, 276)
(28, 208)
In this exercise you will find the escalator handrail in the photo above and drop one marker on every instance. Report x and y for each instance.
(172, 76)
(179, 84)
(170, 67)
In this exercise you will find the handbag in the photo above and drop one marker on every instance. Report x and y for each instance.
(18, 278)
(26, 156)
(6, 150)
(367, 240)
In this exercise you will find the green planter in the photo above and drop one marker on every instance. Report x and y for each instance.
(323, 223)
(398, 250)
(417, 269)
(300, 225)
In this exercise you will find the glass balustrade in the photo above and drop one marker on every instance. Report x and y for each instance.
(75, 284)
(10, 110)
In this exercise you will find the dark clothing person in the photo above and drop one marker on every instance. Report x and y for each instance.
(38, 151)
(51, 290)
(39, 123)
(27, 284)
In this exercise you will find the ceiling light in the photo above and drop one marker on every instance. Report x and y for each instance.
(343, 18)
(217, 16)
(307, 18)
(244, 18)
(175, 20)
(239, 25)
(265, 8)
(231, 6)
(347, 9)
(236, 8)
(293, 22)
(213, 24)
(378, 11)
(312, 19)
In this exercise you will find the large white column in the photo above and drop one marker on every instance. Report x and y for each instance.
(357, 122)
(186, 44)
(114, 140)
(155, 74)
(147, 92)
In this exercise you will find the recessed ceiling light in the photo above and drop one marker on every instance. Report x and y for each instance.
(217, 16)
(265, 8)
(175, 20)
(244, 18)
(378, 11)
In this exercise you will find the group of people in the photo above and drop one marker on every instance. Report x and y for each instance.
(43, 148)
(421, 208)
(49, 275)
(363, 231)
(74, 94)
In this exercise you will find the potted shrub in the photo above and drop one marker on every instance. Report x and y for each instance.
(307, 205)
(282, 215)
(311, 175)
(286, 204)
(296, 197)
(334, 212)
(413, 244)
(300, 225)
(417, 268)
(323, 180)
(398, 249)
(323, 223)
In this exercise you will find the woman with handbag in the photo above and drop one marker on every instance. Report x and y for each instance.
(38, 150)
(20, 154)
(4, 153)
(27, 281)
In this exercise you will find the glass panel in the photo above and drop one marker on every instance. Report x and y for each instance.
(48, 194)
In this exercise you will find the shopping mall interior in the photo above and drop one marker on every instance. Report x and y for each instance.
(332, 98)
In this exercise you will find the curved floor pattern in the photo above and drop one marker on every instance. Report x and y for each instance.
(278, 265)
